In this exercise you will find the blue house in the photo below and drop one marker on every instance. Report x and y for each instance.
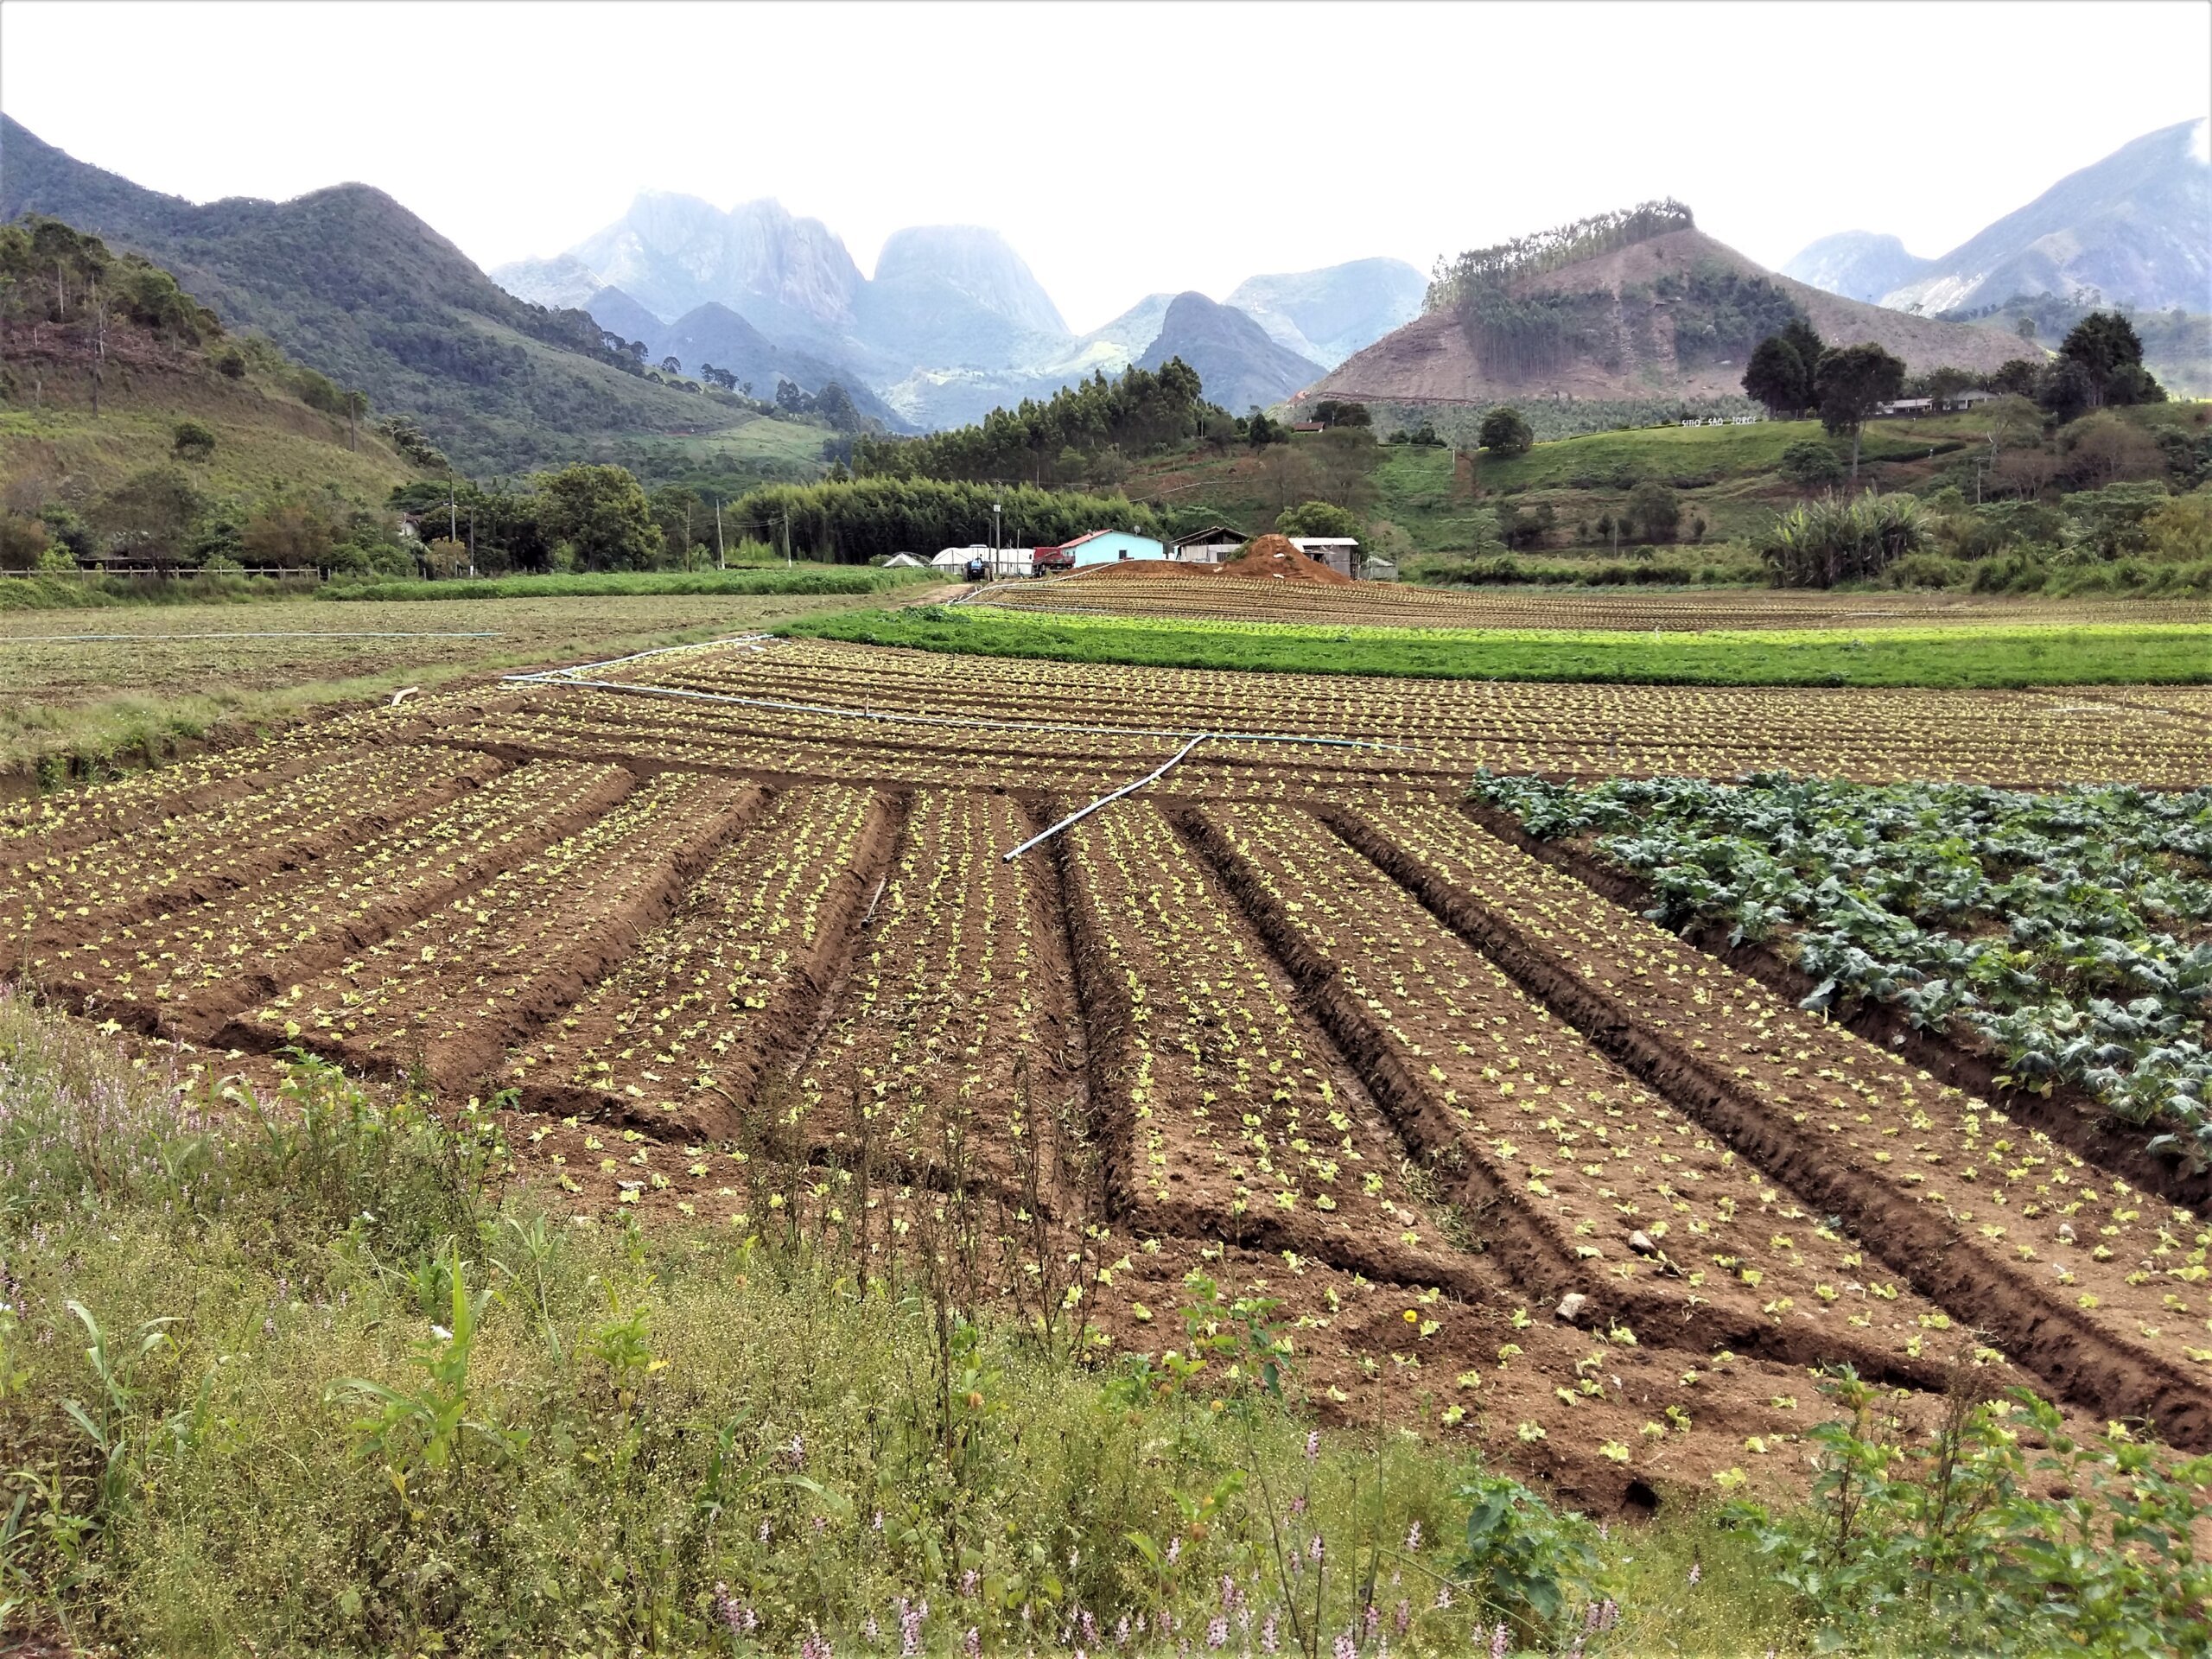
(1110, 547)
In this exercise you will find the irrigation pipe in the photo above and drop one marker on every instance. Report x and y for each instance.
(553, 675)
(75, 639)
(1081, 813)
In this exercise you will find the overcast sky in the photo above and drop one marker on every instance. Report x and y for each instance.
(1121, 148)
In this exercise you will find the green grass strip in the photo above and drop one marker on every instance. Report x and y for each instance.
(1996, 656)
(772, 579)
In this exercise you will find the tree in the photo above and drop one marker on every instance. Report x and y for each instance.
(681, 516)
(1331, 412)
(1945, 383)
(671, 366)
(2103, 343)
(1801, 337)
(357, 405)
(1654, 506)
(2067, 390)
(148, 514)
(2104, 449)
(1812, 464)
(1505, 432)
(2131, 383)
(1287, 474)
(602, 514)
(1342, 461)
(1260, 432)
(287, 534)
(1849, 381)
(1776, 377)
(22, 541)
(193, 441)
(2016, 377)
(1316, 519)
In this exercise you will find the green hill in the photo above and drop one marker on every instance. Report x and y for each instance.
(130, 425)
(349, 282)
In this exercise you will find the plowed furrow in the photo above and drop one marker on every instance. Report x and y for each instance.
(453, 990)
(2009, 1232)
(187, 972)
(688, 1035)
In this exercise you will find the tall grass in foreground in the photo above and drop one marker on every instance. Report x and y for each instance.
(293, 1376)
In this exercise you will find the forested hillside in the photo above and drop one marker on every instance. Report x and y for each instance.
(134, 428)
(351, 284)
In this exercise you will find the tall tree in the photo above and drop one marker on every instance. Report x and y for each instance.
(1849, 381)
(2103, 342)
(602, 514)
(1776, 377)
(1505, 432)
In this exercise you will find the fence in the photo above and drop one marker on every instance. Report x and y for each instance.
(309, 575)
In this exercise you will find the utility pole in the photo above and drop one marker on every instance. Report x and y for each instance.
(787, 539)
(472, 543)
(719, 564)
(453, 512)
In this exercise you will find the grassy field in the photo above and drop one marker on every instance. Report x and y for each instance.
(1991, 656)
(307, 1371)
(265, 444)
(89, 703)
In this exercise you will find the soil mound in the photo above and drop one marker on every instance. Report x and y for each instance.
(1273, 555)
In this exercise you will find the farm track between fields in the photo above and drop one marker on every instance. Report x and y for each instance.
(1289, 1005)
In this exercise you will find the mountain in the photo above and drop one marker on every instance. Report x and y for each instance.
(1669, 316)
(714, 333)
(953, 295)
(560, 283)
(1858, 264)
(1328, 314)
(616, 312)
(1239, 364)
(353, 284)
(976, 263)
(788, 277)
(2134, 229)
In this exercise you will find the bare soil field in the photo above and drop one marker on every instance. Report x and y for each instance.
(732, 934)
(1156, 588)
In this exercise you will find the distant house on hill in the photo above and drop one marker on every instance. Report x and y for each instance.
(1208, 546)
(1339, 553)
(1107, 547)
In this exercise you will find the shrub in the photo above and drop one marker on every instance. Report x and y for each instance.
(1835, 538)
(1812, 464)
(193, 441)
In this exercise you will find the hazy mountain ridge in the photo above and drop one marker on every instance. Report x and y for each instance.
(1861, 266)
(953, 321)
(1325, 315)
(1239, 363)
(2134, 229)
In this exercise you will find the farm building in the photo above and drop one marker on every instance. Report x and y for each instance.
(1339, 553)
(1109, 547)
(1002, 561)
(1208, 546)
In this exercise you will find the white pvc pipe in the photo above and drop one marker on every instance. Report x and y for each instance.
(1104, 800)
